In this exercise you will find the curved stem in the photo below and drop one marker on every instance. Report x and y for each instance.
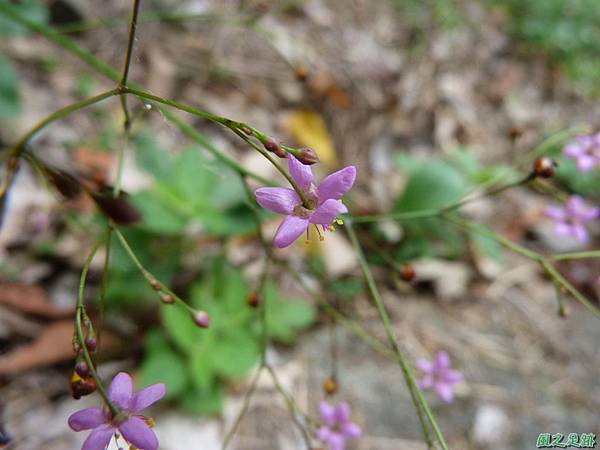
(79, 313)
(417, 397)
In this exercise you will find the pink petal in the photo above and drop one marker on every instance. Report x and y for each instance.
(342, 412)
(323, 433)
(426, 382)
(585, 163)
(337, 184)
(555, 213)
(423, 365)
(328, 211)
(563, 229)
(289, 230)
(580, 233)
(86, 419)
(327, 413)
(351, 430)
(589, 213)
(279, 200)
(336, 442)
(121, 390)
(147, 396)
(444, 391)
(300, 173)
(573, 151)
(99, 438)
(442, 360)
(574, 204)
(452, 376)
(138, 433)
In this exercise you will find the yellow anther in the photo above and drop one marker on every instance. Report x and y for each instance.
(339, 221)
(321, 238)
(150, 422)
(331, 228)
(307, 242)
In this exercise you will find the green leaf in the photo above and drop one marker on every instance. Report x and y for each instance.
(203, 401)
(235, 353)
(286, 317)
(10, 104)
(181, 328)
(164, 366)
(432, 185)
(201, 369)
(151, 156)
(158, 216)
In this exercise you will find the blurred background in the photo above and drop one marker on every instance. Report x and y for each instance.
(431, 100)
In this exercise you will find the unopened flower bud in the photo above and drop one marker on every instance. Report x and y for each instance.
(154, 284)
(167, 299)
(544, 167)
(272, 145)
(407, 273)
(330, 386)
(253, 299)
(201, 319)
(91, 343)
(308, 156)
(82, 369)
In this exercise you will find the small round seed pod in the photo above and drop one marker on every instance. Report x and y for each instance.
(544, 167)
(253, 299)
(91, 343)
(330, 386)
(167, 299)
(308, 156)
(201, 319)
(272, 145)
(407, 273)
(82, 369)
(154, 284)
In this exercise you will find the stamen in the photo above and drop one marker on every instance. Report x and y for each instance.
(339, 221)
(321, 237)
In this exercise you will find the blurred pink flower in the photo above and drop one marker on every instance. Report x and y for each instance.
(324, 201)
(585, 150)
(337, 428)
(129, 423)
(570, 220)
(438, 375)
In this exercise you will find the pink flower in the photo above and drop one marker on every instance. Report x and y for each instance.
(585, 150)
(337, 428)
(570, 220)
(324, 201)
(129, 423)
(438, 375)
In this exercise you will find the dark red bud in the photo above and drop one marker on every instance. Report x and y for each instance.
(167, 299)
(253, 299)
(82, 369)
(272, 145)
(407, 273)
(544, 167)
(308, 156)
(201, 319)
(91, 343)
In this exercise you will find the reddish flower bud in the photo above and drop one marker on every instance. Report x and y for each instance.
(544, 167)
(154, 284)
(91, 343)
(308, 156)
(82, 369)
(167, 299)
(272, 145)
(407, 273)
(253, 299)
(330, 386)
(201, 319)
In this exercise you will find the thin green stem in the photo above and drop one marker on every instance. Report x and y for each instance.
(121, 162)
(416, 395)
(147, 274)
(130, 41)
(104, 284)
(79, 313)
(575, 255)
